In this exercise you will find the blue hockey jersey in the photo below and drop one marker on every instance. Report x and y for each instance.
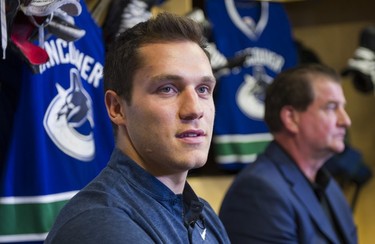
(261, 32)
(61, 136)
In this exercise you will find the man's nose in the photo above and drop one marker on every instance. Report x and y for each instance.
(344, 118)
(190, 105)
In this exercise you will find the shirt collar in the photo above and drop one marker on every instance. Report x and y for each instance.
(145, 181)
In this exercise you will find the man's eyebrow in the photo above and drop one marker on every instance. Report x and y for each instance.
(209, 79)
(168, 77)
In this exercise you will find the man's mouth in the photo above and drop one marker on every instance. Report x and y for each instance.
(194, 133)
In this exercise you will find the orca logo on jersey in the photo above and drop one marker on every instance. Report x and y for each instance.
(251, 94)
(69, 120)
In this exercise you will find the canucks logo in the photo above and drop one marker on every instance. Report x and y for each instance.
(251, 94)
(69, 120)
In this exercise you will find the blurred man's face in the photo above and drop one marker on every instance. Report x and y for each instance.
(323, 125)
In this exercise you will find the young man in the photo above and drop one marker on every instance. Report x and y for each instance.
(286, 196)
(159, 96)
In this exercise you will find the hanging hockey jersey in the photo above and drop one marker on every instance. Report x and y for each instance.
(61, 136)
(261, 32)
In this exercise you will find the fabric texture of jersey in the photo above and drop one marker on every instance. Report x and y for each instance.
(127, 204)
(61, 137)
(260, 31)
(271, 201)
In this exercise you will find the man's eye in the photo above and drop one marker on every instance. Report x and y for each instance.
(203, 89)
(166, 89)
(332, 107)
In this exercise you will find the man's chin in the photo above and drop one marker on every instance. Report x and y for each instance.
(339, 148)
(198, 163)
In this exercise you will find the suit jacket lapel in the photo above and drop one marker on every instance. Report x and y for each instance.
(305, 195)
(340, 210)
(302, 190)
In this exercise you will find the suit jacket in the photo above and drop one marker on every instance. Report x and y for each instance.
(271, 201)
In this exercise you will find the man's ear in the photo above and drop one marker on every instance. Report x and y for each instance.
(115, 107)
(290, 118)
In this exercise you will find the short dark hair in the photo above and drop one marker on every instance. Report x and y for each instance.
(293, 87)
(123, 58)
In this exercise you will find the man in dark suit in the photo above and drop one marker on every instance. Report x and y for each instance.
(286, 196)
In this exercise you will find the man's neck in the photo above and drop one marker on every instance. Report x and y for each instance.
(303, 157)
(175, 183)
